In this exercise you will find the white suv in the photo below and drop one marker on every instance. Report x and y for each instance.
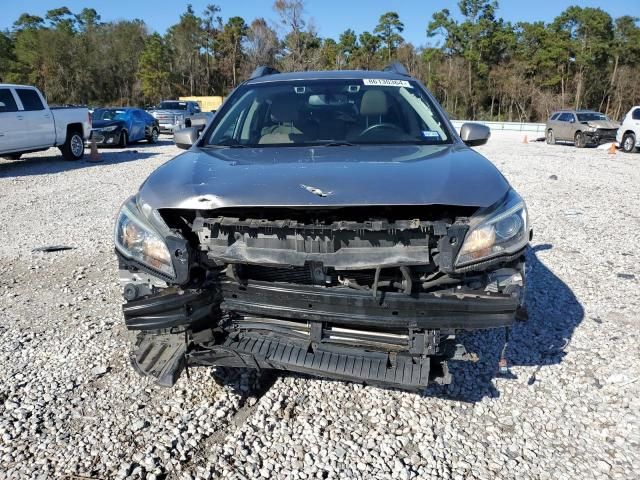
(628, 135)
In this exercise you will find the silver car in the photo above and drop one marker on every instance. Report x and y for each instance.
(582, 127)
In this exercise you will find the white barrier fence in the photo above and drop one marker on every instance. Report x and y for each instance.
(507, 126)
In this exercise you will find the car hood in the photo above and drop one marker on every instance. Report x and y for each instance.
(167, 112)
(106, 123)
(606, 124)
(213, 178)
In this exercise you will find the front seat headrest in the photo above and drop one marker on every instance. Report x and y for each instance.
(284, 109)
(374, 102)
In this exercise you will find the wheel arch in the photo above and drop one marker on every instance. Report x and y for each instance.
(74, 128)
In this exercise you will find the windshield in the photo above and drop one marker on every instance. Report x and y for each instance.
(108, 114)
(329, 112)
(589, 116)
(173, 105)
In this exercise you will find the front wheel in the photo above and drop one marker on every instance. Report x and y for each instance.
(123, 139)
(73, 148)
(551, 139)
(629, 142)
(580, 140)
(154, 136)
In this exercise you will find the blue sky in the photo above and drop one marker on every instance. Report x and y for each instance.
(330, 16)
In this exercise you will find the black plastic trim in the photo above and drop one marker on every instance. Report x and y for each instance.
(345, 306)
(167, 311)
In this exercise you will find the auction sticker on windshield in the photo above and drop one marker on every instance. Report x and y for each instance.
(385, 82)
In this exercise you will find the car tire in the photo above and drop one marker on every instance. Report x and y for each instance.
(628, 143)
(551, 139)
(73, 148)
(154, 136)
(580, 141)
(123, 141)
(12, 156)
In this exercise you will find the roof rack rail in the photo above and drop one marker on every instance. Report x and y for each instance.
(263, 70)
(397, 67)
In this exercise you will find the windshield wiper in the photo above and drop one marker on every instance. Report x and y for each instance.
(338, 144)
(229, 145)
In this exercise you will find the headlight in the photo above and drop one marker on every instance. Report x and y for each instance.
(498, 230)
(109, 129)
(138, 241)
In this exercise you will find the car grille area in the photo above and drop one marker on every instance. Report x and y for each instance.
(340, 244)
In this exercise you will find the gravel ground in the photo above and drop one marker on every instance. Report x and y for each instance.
(70, 405)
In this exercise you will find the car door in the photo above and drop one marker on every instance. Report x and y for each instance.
(137, 126)
(574, 126)
(564, 126)
(13, 133)
(635, 122)
(39, 120)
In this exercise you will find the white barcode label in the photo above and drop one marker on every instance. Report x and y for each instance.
(385, 82)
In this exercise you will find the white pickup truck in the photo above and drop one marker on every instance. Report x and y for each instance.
(27, 124)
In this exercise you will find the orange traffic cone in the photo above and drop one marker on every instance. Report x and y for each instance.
(526, 140)
(94, 156)
(612, 149)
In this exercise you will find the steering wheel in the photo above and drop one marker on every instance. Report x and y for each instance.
(380, 125)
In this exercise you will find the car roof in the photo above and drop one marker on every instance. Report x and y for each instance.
(327, 75)
(14, 85)
(576, 111)
(120, 108)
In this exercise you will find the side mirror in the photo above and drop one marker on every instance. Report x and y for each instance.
(474, 134)
(186, 137)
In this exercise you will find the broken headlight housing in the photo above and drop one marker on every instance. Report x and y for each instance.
(137, 240)
(502, 229)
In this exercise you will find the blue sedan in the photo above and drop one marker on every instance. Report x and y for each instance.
(121, 126)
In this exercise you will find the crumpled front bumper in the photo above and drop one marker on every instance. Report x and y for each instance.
(392, 338)
(601, 136)
(104, 138)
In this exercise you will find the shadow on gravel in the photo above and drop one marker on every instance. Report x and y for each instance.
(554, 313)
(28, 166)
(246, 382)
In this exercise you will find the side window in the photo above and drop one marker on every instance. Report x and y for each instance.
(566, 117)
(196, 108)
(555, 116)
(226, 132)
(7, 103)
(636, 114)
(30, 99)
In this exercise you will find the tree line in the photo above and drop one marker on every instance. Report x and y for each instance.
(477, 65)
